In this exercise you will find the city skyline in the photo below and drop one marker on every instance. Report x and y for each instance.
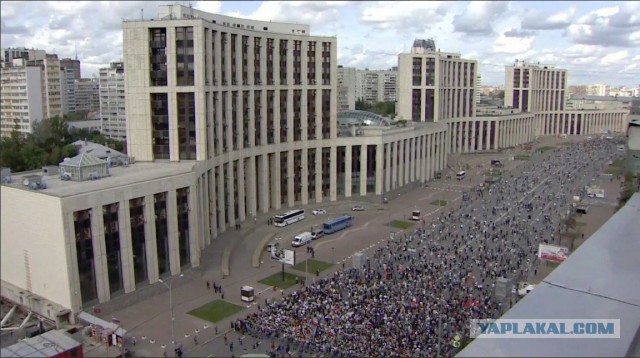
(597, 42)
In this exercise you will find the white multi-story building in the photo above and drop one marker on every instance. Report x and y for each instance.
(112, 102)
(9, 54)
(597, 90)
(346, 88)
(23, 86)
(376, 85)
(434, 85)
(87, 92)
(21, 101)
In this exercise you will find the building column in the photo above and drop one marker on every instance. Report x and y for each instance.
(387, 168)
(210, 193)
(150, 243)
(347, 170)
(172, 233)
(363, 170)
(489, 142)
(421, 159)
(379, 168)
(480, 138)
(318, 174)
(304, 173)
(276, 198)
(429, 148)
(222, 220)
(395, 166)
(252, 199)
(263, 183)
(333, 163)
(473, 134)
(230, 193)
(99, 255)
(126, 249)
(241, 180)
(401, 174)
(195, 226)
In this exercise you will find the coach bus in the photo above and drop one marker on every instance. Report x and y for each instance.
(337, 224)
(461, 175)
(289, 217)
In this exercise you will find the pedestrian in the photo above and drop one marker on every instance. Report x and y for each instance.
(317, 272)
(225, 339)
(231, 346)
(134, 341)
(165, 354)
(195, 339)
(216, 329)
(207, 285)
(222, 294)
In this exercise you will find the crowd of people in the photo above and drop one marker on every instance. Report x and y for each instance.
(416, 295)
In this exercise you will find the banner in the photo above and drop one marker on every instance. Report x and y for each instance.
(552, 253)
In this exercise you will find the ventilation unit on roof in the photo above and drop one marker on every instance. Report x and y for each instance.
(7, 179)
(94, 176)
(65, 176)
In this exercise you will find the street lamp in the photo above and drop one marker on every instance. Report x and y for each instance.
(173, 318)
(333, 258)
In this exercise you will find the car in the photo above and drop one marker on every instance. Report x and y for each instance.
(358, 208)
(319, 212)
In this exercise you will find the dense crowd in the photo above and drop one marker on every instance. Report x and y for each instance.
(416, 295)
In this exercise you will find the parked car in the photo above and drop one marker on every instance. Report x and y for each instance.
(319, 212)
(358, 208)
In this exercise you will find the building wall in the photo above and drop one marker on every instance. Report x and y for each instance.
(18, 105)
(490, 133)
(26, 247)
(112, 101)
(347, 86)
(87, 92)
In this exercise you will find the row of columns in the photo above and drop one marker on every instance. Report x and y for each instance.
(589, 123)
(481, 135)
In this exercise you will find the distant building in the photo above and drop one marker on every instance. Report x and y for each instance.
(73, 65)
(597, 90)
(346, 88)
(9, 54)
(601, 103)
(112, 101)
(26, 97)
(92, 125)
(68, 88)
(87, 95)
(434, 85)
(376, 85)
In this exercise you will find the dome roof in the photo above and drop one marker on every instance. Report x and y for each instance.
(362, 118)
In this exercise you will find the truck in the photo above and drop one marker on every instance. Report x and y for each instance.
(302, 239)
(415, 215)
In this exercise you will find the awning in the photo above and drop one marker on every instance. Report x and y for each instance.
(91, 319)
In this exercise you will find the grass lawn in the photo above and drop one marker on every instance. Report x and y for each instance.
(276, 280)
(552, 264)
(522, 157)
(311, 265)
(613, 171)
(400, 224)
(495, 173)
(216, 311)
(580, 223)
(439, 203)
(618, 163)
(544, 149)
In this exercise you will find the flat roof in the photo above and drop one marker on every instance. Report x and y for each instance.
(119, 176)
(599, 280)
(48, 344)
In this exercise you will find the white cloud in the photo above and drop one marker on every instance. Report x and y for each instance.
(404, 16)
(615, 57)
(480, 16)
(513, 45)
(542, 20)
(208, 6)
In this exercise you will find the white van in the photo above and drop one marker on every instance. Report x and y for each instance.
(301, 239)
(317, 233)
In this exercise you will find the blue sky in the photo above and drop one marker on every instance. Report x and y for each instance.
(598, 42)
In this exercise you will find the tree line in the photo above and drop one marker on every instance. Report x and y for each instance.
(48, 144)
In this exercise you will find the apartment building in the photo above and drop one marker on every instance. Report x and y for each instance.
(87, 93)
(21, 86)
(434, 85)
(73, 65)
(376, 85)
(9, 54)
(21, 100)
(68, 86)
(112, 101)
(346, 88)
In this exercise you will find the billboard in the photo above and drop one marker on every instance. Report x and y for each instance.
(552, 253)
(285, 256)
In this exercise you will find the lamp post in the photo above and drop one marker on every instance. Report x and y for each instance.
(333, 257)
(173, 318)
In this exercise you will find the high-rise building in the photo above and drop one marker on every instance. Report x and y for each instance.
(21, 100)
(52, 87)
(68, 89)
(434, 85)
(535, 87)
(112, 101)
(376, 85)
(346, 88)
(87, 92)
(73, 65)
(8, 54)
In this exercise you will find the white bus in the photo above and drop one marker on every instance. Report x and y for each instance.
(461, 175)
(415, 215)
(288, 218)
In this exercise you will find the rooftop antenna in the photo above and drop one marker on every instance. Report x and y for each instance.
(76, 45)
(141, 14)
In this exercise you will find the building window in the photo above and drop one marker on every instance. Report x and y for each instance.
(182, 199)
(112, 246)
(136, 217)
(84, 255)
(160, 125)
(185, 66)
(162, 240)
(186, 126)
(158, 56)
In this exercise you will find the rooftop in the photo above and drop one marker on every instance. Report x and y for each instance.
(118, 176)
(48, 344)
(599, 280)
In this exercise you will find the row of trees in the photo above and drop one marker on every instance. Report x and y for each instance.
(49, 144)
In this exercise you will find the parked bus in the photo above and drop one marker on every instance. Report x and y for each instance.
(289, 217)
(337, 224)
(415, 215)
(461, 175)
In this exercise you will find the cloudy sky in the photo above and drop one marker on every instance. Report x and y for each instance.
(598, 42)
